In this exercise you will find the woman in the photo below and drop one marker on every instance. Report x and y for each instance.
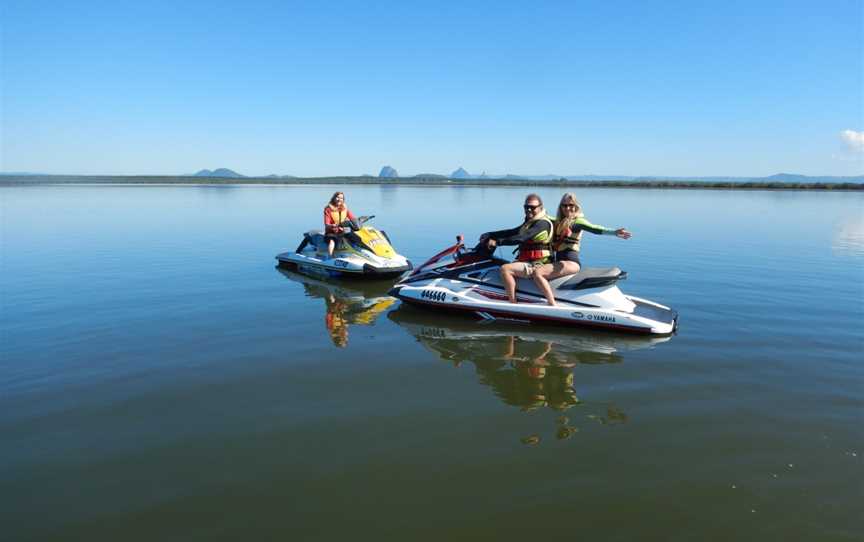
(335, 213)
(569, 226)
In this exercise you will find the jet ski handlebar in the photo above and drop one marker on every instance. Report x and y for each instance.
(358, 223)
(455, 249)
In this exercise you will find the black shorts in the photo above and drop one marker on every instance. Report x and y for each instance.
(568, 256)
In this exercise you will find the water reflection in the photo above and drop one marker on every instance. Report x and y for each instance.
(529, 368)
(347, 303)
(848, 239)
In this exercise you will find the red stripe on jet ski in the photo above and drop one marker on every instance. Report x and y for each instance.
(497, 296)
(530, 317)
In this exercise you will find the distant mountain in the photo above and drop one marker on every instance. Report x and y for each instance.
(778, 178)
(788, 178)
(221, 172)
(429, 176)
(388, 172)
(460, 174)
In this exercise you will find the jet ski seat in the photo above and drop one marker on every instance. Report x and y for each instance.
(588, 277)
(584, 279)
(313, 238)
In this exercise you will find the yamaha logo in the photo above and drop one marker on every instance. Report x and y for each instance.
(577, 315)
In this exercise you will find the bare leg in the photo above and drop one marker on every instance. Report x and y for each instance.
(509, 282)
(330, 246)
(543, 283)
(551, 271)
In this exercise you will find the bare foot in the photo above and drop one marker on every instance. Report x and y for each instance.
(551, 303)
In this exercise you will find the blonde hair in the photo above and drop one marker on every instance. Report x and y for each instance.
(562, 221)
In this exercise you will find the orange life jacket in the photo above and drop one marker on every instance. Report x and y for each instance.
(537, 249)
(338, 215)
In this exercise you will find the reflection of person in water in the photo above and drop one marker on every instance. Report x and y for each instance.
(528, 376)
(337, 324)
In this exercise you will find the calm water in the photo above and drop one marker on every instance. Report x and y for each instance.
(161, 380)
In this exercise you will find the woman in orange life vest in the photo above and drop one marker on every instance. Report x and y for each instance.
(335, 213)
(569, 225)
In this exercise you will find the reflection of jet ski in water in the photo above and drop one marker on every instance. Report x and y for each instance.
(364, 252)
(529, 368)
(456, 338)
(347, 303)
(466, 281)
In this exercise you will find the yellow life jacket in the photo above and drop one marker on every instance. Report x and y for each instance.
(567, 240)
(338, 215)
(537, 249)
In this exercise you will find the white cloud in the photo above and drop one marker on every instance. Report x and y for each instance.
(855, 140)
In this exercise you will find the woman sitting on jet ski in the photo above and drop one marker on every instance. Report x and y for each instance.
(569, 225)
(335, 213)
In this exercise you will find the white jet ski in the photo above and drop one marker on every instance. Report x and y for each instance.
(469, 281)
(364, 252)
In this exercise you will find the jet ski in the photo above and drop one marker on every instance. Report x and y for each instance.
(364, 252)
(469, 281)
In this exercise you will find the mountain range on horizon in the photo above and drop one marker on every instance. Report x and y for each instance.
(390, 173)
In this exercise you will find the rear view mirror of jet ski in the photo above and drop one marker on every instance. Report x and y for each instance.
(470, 281)
(360, 251)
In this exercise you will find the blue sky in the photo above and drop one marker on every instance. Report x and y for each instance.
(329, 88)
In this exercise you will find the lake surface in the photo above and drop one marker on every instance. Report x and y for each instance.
(160, 379)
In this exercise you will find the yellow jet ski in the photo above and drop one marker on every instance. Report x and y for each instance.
(364, 252)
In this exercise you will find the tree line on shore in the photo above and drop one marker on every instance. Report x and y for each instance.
(429, 181)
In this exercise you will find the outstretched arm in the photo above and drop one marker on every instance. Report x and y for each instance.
(581, 224)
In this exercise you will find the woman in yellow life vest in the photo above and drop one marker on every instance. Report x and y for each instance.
(335, 213)
(534, 238)
(569, 225)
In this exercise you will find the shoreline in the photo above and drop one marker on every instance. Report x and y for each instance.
(24, 180)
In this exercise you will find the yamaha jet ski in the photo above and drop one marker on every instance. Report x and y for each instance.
(364, 252)
(469, 281)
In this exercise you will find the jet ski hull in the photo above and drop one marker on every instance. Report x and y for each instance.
(350, 267)
(491, 305)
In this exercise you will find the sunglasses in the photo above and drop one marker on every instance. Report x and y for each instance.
(568, 206)
(530, 207)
